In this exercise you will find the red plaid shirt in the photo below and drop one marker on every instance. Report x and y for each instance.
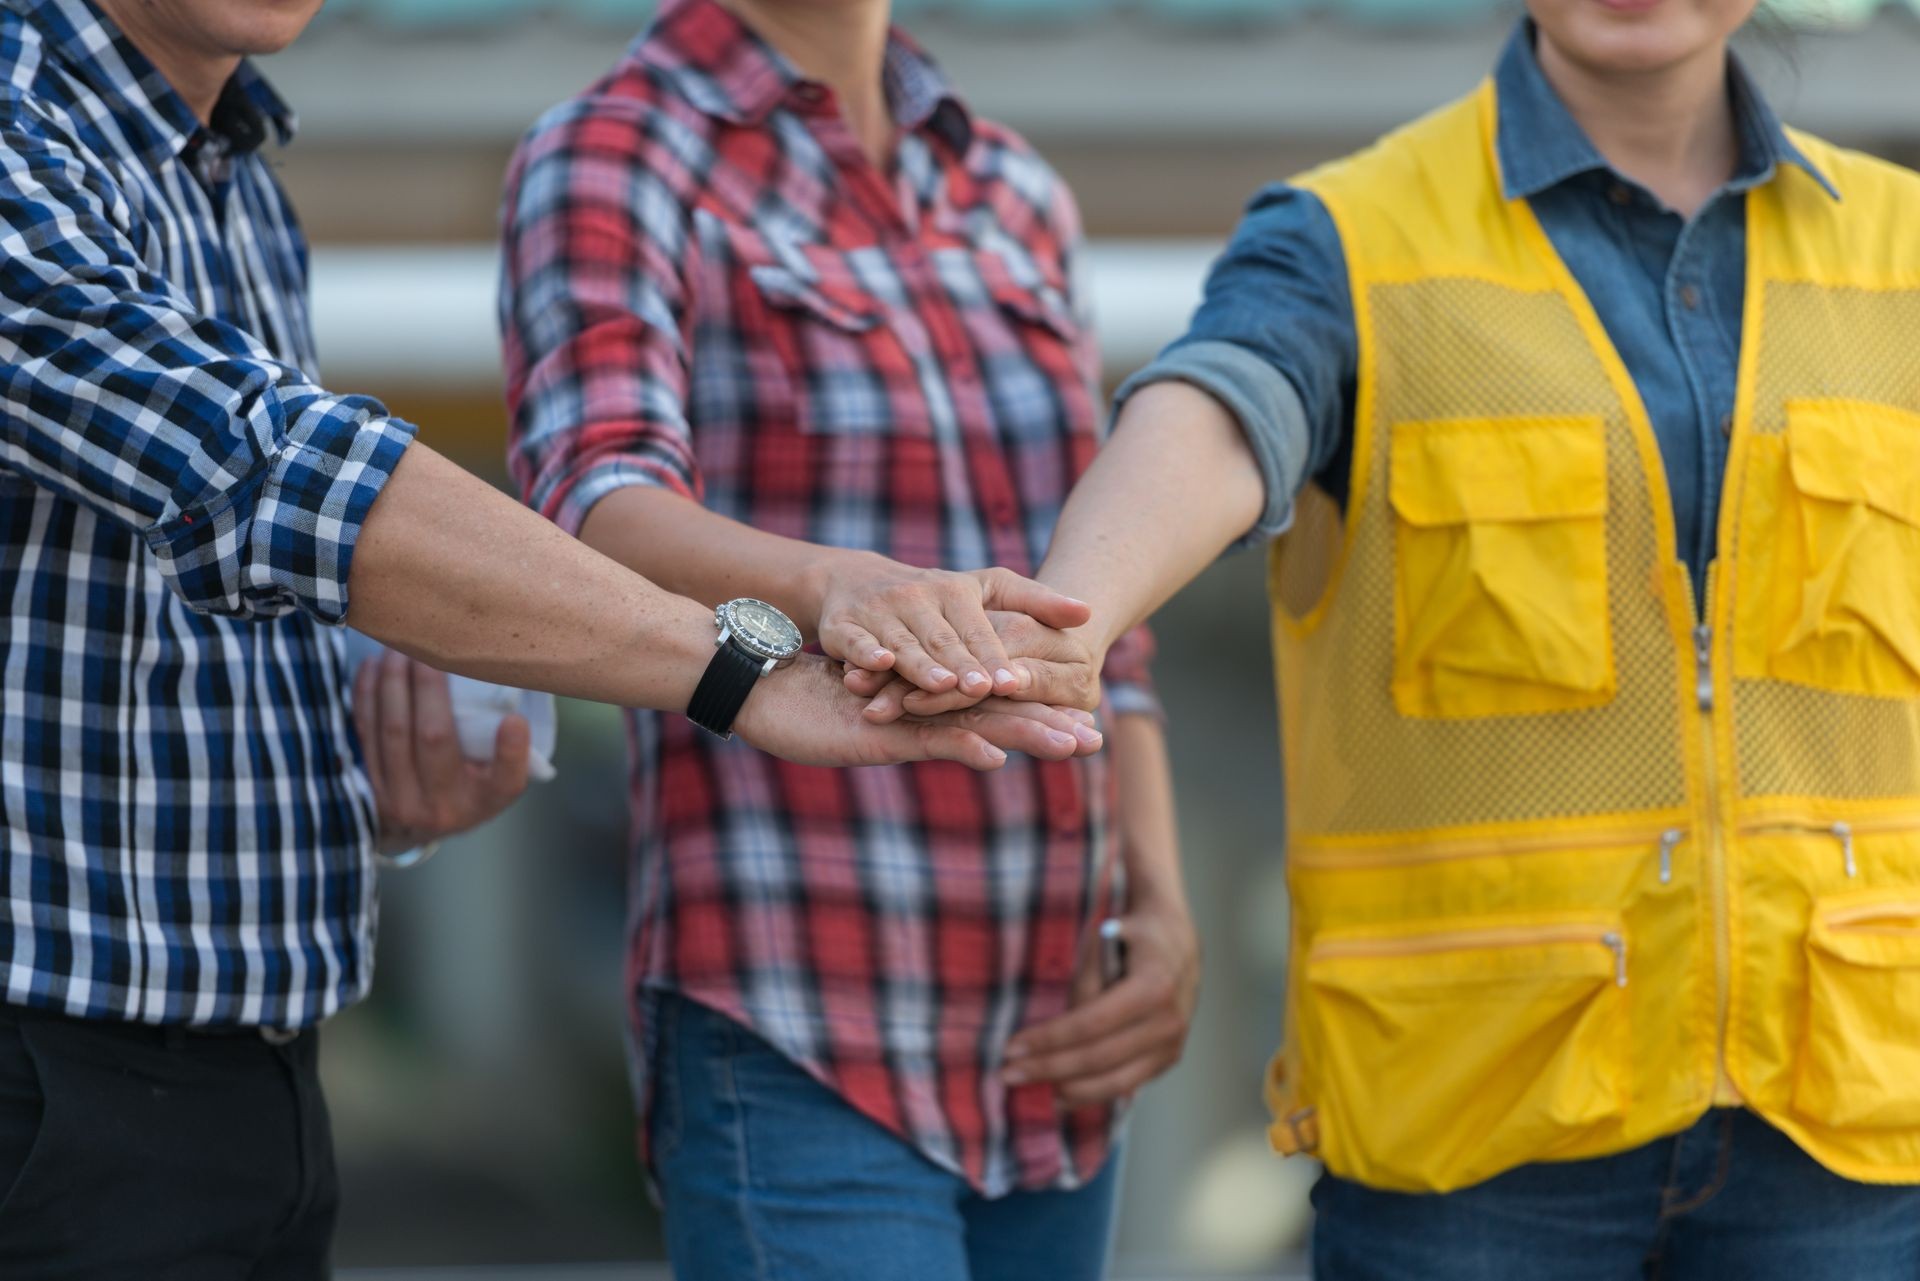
(710, 288)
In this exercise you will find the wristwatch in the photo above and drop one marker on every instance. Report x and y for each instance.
(754, 639)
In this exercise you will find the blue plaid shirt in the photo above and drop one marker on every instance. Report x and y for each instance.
(185, 829)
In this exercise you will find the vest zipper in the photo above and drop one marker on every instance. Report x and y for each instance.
(1614, 940)
(1309, 853)
(1725, 1091)
(1669, 841)
(1842, 831)
(1703, 666)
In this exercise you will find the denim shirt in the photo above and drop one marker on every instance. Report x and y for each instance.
(1274, 339)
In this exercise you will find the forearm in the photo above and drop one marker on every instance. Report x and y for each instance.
(1173, 488)
(453, 572)
(696, 553)
(1149, 833)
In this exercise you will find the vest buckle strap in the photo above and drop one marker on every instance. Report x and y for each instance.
(1302, 1133)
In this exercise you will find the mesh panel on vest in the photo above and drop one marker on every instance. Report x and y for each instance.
(1450, 348)
(1823, 341)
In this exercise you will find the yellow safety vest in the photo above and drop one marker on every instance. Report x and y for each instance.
(1566, 869)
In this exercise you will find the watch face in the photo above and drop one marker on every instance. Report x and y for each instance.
(762, 629)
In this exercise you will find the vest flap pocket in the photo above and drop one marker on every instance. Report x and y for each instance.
(1851, 451)
(1860, 1066)
(1500, 565)
(1499, 469)
(1841, 610)
(1465, 1050)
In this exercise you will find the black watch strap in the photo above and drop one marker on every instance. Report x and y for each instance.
(723, 691)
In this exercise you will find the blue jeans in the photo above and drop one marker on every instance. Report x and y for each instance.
(767, 1175)
(1731, 1199)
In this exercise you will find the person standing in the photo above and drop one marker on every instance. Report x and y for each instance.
(1590, 401)
(187, 816)
(783, 316)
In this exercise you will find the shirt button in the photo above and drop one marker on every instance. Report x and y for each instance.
(1621, 194)
(809, 93)
(1690, 297)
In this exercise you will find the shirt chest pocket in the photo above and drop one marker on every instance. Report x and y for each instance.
(845, 362)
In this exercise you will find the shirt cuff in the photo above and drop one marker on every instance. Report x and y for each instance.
(1264, 403)
(569, 508)
(283, 540)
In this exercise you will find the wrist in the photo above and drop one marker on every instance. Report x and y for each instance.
(821, 579)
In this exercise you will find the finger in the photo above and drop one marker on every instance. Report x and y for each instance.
(889, 705)
(1121, 1083)
(856, 645)
(404, 805)
(506, 775)
(366, 721)
(1146, 1039)
(436, 746)
(1062, 684)
(866, 683)
(940, 638)
(914, 663)
(1087, 737)
(1004, 589)
(981, 641)
(1018, 733)
(1130, 1000)
(918, 702)
(937, 742)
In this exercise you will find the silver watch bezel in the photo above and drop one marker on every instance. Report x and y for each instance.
(725, 618)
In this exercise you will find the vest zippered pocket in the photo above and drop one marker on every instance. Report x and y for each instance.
(1860, 1065)
(1446, 1053)
(1328, 853)
(1500, 566)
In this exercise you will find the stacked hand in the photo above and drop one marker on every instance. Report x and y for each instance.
(929, 642)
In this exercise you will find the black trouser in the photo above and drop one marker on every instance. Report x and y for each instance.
(132, 1153)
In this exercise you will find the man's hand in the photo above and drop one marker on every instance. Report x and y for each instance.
(1049, 665)
(425, 787)
(1115, 1040)
(803, 713)
(929, 626)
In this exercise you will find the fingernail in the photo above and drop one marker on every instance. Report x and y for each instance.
(974, 681)
(938, 674)
(1003, 676)
(1058, 739)
(1016, 1049)
(995, 755)
(1088, 735)
(1014, 1076)
(881, 656)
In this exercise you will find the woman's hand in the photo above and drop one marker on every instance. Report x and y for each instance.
(1116, 1039)
(1049, 666)
(930, 627)
(804, 713)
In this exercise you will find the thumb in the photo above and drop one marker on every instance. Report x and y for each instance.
(507, 772)
(1004, 589)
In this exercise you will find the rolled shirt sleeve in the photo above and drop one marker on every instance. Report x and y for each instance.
(248, 482)
(593, 310)
(1274, 342)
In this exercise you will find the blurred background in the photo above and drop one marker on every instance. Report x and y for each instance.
(480, 1097)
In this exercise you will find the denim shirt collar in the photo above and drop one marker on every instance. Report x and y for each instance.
(1541, 145)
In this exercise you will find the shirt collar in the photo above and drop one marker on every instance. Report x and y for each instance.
(160, 124)
(1541, 145)
(727, 70)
